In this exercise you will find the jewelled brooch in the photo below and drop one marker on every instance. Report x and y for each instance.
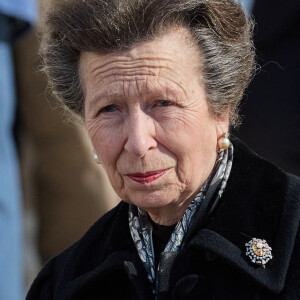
(259, 251)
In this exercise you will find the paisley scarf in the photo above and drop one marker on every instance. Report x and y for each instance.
(141, 227)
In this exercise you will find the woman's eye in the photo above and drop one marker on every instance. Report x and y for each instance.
(108, 108)
(164, 103)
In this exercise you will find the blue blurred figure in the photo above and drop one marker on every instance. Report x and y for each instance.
(247, 5)
(16, 16)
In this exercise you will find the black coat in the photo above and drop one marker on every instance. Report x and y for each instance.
(259, 201)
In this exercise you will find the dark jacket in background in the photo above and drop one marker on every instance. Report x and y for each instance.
(271, 126)
(259, 201)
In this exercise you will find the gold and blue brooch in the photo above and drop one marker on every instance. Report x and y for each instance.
(259, 251)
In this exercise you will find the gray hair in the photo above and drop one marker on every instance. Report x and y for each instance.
(220, 28)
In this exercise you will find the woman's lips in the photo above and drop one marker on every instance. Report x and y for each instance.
(147, 177)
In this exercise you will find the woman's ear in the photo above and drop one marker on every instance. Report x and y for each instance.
(222, 124)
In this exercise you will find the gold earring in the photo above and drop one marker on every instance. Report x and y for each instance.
(224, 142)
(96, 158)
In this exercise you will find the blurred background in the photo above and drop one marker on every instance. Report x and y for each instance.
(271, 106)
(52, 191)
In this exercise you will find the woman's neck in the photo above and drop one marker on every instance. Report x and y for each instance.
(170, 214)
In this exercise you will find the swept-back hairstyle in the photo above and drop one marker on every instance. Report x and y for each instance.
(220, 28)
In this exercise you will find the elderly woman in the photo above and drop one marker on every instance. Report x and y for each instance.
(157, 84)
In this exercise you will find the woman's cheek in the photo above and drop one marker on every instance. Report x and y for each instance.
(115, 179)
(170, 121)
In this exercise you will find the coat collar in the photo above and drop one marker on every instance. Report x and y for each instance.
(259, 201)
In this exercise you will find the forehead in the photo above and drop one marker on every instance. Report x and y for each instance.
(172, 57)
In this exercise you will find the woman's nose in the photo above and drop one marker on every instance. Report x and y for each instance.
(140, 134)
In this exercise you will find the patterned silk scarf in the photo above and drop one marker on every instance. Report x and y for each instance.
(141, 227)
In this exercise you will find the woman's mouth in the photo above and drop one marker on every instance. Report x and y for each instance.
(148, 177)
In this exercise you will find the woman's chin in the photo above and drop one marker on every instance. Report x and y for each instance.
(151, 199)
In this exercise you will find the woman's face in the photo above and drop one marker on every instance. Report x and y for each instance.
(147, 116)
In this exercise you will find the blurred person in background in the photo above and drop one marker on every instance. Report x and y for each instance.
(64, 191)
(271, 106)
(16, 16)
